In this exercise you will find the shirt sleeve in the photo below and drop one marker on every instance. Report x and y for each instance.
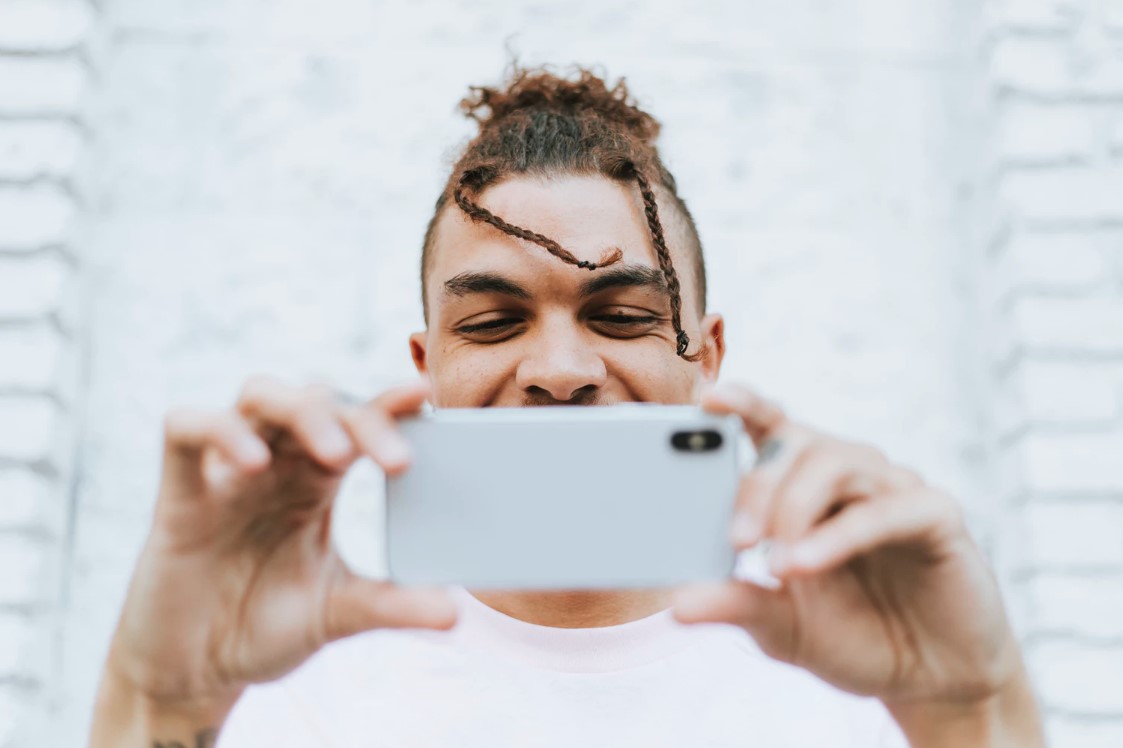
(271, 716)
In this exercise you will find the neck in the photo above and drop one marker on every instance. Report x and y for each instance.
(572, 609)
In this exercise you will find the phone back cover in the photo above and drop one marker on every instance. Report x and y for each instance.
(562, 498)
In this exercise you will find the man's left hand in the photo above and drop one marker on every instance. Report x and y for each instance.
(883, 592)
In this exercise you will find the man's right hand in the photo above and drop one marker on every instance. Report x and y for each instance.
(238, 581)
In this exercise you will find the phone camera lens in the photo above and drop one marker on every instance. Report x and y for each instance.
(696, 441)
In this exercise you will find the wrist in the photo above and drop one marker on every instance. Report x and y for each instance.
(126, 714)
(1007, 717)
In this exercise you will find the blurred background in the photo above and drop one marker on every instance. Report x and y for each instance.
(912, 213)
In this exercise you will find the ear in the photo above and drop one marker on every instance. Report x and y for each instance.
(418, 351)
(712, 328)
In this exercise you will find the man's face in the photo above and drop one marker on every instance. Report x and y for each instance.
(512, 325)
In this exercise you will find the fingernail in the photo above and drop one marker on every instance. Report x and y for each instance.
(335, 442)
(745, 529)
(395, 450)
(718, 391)
(686, 607)
(252, 450)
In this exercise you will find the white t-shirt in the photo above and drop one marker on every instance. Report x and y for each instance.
(495, 681)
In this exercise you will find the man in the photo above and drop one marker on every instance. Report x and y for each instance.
(548, 278)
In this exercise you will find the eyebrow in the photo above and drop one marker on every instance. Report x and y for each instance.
(464, 284)
(625, 276)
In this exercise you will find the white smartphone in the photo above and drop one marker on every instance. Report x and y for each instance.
(564, 497)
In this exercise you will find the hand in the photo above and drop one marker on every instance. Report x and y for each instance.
(239, 582)
(883, 593)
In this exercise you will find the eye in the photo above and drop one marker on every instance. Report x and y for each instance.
(623, 324)
(492, 330)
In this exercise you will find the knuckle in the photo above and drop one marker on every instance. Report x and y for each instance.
(256, 388)
(754, 483)
(310, 410)
(818, 452)
(351, 419)
(907, 477)
(380, 406)
(320, 392)
(176, 420)
(952, 512)
(870, 453)
(773, 410)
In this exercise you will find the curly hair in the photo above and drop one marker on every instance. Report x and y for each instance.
(540, 124)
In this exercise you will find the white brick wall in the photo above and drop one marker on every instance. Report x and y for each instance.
(907, 208)
(33, 217)
(39, 26)
(1056, 72)
(43, 76)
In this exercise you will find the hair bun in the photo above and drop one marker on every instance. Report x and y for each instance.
(541, 90)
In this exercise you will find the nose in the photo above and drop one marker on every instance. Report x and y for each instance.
(561, 365)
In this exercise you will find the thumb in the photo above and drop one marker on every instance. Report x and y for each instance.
(356, 604)
(765, 613)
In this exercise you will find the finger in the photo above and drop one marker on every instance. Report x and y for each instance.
(923, 516)
(359, 604)
(189, 433)
(766, 614)
(309, 418)
(374, 425)
(757, 490)
(821, 479)
(762, 418)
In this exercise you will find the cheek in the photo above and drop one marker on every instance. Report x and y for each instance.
(470, 376)
(653, 373)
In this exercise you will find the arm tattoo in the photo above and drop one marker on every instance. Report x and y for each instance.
(203, 739)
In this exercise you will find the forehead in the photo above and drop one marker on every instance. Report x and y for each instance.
(587, 215)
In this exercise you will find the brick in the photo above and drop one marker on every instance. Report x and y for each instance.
(1029, 64)
(1056, 260)
(1056, 66)
(32, 218)
(1008, 413)
(31, 287)
(1009, 471)
(287, 20)
(29, 501)
(1070, 733)
(1113, 21)
(1086, 325)
(1037, 15)
(38, 26)
(38, 149)
(1069, 392)
(1077, 462)
(30, 357)
(1078, 678)
(37, 86)
(1073, 534)
(24, 647)
(17, 705)
(1034, 133)
(1090, 606)
(27, 579)
(1089, 194)
(27, 428)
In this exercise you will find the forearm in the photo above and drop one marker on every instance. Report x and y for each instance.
(1007, 719)
(126, 718)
